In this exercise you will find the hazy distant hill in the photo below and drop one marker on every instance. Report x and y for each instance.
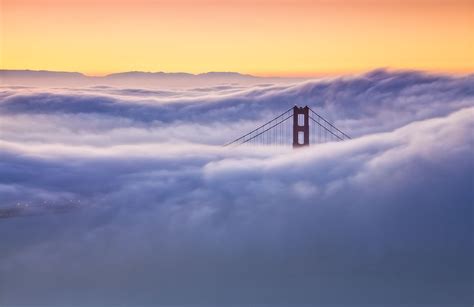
(147, 75)
(131, 78)
(10, 74)
(141, 74)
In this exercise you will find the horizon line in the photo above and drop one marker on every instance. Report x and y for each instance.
(296, 74)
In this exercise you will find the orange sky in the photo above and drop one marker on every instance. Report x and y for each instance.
(263, 37)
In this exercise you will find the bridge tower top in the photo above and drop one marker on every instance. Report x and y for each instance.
(300, 126)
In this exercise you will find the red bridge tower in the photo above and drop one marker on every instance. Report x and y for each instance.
(300, 126)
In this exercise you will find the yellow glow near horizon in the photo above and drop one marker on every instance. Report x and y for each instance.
(266, 37)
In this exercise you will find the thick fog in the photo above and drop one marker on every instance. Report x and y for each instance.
(125, 197)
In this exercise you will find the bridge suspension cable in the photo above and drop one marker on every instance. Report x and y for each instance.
(343, 135)
(258, 131)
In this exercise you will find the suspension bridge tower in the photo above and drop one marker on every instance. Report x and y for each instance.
(300, 126)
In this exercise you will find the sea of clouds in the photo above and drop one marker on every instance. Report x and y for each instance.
(125, 197)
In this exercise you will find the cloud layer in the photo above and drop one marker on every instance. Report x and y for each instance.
(125, 199)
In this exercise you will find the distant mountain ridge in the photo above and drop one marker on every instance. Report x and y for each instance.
(132, 78)
(127, 74)
(26, 73)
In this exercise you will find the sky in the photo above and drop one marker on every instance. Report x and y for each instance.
(121, 196)
(262, 37)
